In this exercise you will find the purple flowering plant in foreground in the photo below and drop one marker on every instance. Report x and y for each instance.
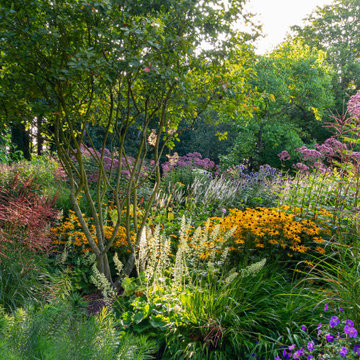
(336, 339)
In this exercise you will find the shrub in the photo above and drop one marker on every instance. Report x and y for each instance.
(25, 218)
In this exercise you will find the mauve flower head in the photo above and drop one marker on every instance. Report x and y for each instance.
(354, 105)
(335, 144)
(303, 327)
(355, 155)
(329, 338)
(309, 357)
(106, 152)
(302, 167)
(284, 155)
(309, 153)
(325, 150)
(325, 309)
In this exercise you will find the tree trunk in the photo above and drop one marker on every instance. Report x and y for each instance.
(20, 138)
(39, 138)
(129, 267)
(103, 266)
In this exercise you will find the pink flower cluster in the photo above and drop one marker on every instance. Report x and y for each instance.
(191, 160)
(284, 156)
(354, 106)
(110, 163)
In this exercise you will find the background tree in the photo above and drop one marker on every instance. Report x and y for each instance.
(335, 29)
(295, 89)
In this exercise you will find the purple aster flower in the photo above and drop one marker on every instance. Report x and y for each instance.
(350, 323)
(334, 321)
(351, 331)
(343, 351)
(292, 347)
(298, 353)
(357, 349)
(303, 327)
(329, 338)
(311, 346)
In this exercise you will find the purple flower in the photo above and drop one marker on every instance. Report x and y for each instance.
(277, 358)
(311, 346)
(303, 327)
(334, 321)
(343, 351)
(326, 307)
(341, 309)
(329, 338)
(298, 353)
(309, 357)
(292, 347)
(351, 331)
(357, 349)
(350, 323)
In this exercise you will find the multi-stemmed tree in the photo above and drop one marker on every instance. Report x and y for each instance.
(117, 64)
